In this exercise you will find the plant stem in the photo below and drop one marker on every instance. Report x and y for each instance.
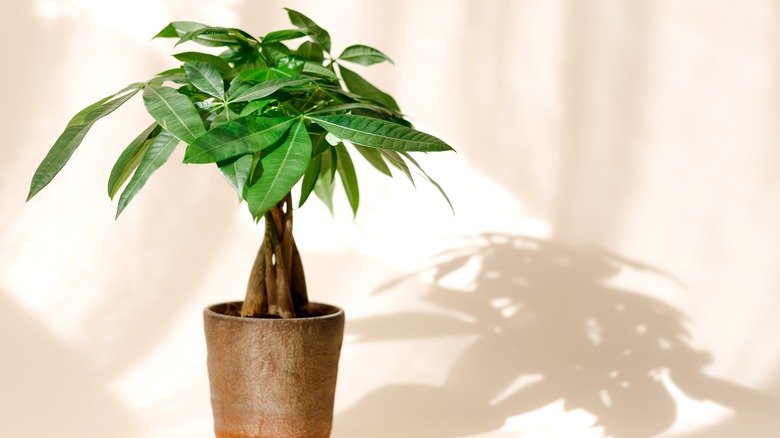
(277, 285)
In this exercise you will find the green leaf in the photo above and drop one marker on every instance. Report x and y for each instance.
(282, 166)
(356, 84)
(311, 51)
(348, 176)
(310, 178)
(74, 134)
(242, 136)
(218, 63)
(315, 69)
(374, 157)
(178, 28)
(283, 35)
(255, 106)
(129, 159)
(324, 186)
(429, 179)
(206, 78)
(155, 156)
(398, 162)
(290, 62)
(217, 37)
(376, 133)
(364, 55)
(265, 88)
(224, 116)
(236, 171)
(174, 112)
(356, 106)
(274, 51)
(317, 34)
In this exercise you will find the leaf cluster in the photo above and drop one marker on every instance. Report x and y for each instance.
(269, 111)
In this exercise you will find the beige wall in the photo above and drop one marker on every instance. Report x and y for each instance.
(622, 154)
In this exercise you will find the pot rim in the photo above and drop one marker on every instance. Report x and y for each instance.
(211, 313)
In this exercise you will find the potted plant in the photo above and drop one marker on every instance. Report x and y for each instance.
(272, 113)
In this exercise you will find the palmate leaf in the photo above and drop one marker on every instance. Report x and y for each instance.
(282, 167)
(236, 171)
(315, 69)
(206, 78)
(244, 93)
(318, 34)
(309, 179)
(224, 116)
(364, 55)
(155, 156)
(242, 136)
(283, 35)
(376, 133)
(218, 37)
(130, 158)
(323, 188)
(348, 176)
(74, 134)
(357, 85)
(178, 28)
(174, 112)
(219, 63)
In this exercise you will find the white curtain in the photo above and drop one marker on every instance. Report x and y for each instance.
(611, 268)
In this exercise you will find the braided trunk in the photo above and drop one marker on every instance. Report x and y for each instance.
(277, 286)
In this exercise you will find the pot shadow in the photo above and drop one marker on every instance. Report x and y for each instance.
(548, 328)
(48, 390)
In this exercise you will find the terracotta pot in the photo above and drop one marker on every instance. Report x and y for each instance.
(273, 378)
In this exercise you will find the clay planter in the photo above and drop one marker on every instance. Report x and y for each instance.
(273, 378)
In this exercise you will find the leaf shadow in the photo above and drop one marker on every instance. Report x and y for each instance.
(548, 327)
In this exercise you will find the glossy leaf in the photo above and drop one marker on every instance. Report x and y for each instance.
(283, 35)
(74, 134)
(274, 51)
(174, 112)
(219, 63)
(255, 106)
(236, 171)
(363, 55)
(311, 51)
(155, 156)
(206, 78)
(282, 167)
(242, 136)
(217, 37)
(310, 179)
(266, 88)
(130, 158)
(324, 186)
(356, 84)
(376, 133)
(224, 116)
(178, 28)
(318, 34)
(315, 69)
(346, 170)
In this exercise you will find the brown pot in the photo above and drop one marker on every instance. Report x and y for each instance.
(273, 378)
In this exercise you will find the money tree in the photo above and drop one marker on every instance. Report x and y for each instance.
(271, 112)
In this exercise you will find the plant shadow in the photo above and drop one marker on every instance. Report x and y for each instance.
(548, 327)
